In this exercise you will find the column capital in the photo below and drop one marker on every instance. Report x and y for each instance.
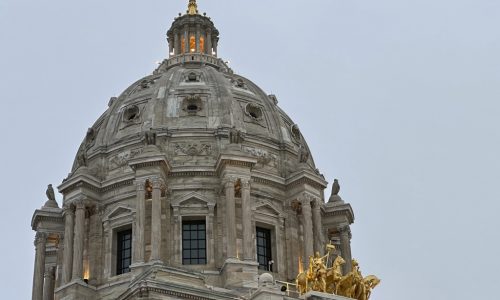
(246, 183)
(50, 272)
(68, 209)
(80, 203)
(344, 230)
(140, 184)
(317, 203)
(306, 198)
(157, 182)
(40, 238)
(230, 180)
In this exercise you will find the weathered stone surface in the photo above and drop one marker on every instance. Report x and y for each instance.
(192, 141)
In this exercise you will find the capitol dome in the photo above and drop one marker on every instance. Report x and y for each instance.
(194, 103)
(190, 185)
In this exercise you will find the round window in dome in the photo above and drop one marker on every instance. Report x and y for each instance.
(131, 114)
(254, 111)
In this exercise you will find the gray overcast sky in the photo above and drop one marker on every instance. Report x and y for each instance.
(398, 99)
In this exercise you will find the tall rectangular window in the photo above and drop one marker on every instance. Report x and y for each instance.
(194, 245)
(124, 251)
(264, 254)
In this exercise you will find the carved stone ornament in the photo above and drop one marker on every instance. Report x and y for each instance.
(296, 206)
(146, 84)
(90, 137)
(192, 149)
(295, 132)
(239, 83)
(121, 160)
(235, 136)
(264, 158)
(40, 238)
(81, 158)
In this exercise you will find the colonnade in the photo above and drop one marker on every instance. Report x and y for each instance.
(204, 42)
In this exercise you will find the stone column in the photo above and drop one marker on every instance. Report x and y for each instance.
(69, 223)
(108, 236)
(59, 261)
(171, 45)
(317, 224)
(95, 245)
(156, 221)
(177, 237)
(210, 235)
(246, 217)
(49, 284)
(186, 39)
(198, 38)
(78, 240)
(208, 41)
(140, 220)
(177, 43)
(345, 247)
(308, 227)
(214, 45)
(230, 217)
(39, 270)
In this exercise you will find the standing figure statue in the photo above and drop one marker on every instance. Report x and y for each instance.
(81, 157)
(335, 187)
(303, 154)
(50, 193)
(150, 137)
(319, 272)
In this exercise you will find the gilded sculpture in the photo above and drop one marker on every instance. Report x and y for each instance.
(322, 278)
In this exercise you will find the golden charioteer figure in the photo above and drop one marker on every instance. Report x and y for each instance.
(321, 278)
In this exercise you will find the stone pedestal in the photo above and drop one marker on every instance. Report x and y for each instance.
(76, 290)
(322, 296)
(238, 274)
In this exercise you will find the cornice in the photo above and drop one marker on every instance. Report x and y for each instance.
(306, 177)
(53, 215)
(339, 210)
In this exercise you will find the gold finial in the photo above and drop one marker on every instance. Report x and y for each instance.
(192, 7)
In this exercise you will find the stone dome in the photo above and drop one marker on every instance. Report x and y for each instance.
(192, 178)
(197, 100)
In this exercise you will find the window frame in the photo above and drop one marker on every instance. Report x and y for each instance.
(119, 254)
(199, 259)
(268, 248)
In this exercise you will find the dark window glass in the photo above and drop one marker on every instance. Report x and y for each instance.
(124, 251)
(194, 243)
(264, 255)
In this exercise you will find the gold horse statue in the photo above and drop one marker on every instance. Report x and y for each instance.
(354, 286)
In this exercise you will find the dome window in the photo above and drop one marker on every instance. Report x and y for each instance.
(131, 114)
(192, 77)
(192, 108)
(254, 112)
(192, 105)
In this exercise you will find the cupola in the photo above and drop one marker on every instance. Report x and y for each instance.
(192, 33)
